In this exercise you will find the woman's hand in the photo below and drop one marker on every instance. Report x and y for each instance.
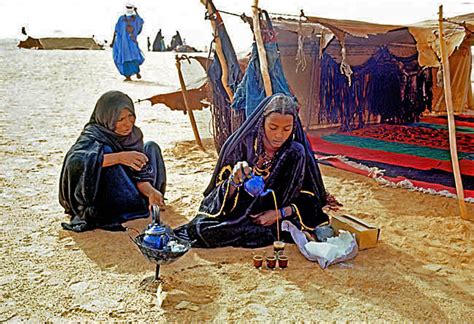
(135, 160)
(240, 172)
(266, 218)
(156, 198)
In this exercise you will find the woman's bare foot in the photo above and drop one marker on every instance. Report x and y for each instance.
(139, 76)
(127, 79)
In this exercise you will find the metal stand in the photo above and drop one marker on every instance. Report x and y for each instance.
(157, 272)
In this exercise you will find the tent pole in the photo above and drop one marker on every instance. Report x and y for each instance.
(184, 91)
(211, 9)
(451, 124)
(262, 55)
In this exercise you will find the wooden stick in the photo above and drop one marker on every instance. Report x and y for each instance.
(211, 9)
(451, 123)
(262, 55)
(184, 91)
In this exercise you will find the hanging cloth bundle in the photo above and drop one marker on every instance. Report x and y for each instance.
(300, 57)
(251, 91)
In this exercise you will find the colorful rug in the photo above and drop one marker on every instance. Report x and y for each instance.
(414, 156)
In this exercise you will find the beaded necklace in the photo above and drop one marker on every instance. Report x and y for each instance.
(267, 160)
(263, 168)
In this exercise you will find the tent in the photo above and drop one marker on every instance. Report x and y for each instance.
(62, 43)
(412, 50)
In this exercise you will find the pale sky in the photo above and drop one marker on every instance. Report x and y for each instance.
(98, 17)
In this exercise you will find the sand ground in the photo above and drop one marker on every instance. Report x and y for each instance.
(422, 269)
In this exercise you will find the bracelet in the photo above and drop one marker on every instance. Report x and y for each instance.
(282, 213)
(233, 184)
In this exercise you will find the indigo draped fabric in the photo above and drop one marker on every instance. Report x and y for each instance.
(158, 43)
(395, 88)
(294, 177)
(127, 55)
(251, 90)
(176, 41)
(100, 197)
(221, 111)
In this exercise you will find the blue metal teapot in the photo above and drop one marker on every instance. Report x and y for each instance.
(156, 236)
(255, 185)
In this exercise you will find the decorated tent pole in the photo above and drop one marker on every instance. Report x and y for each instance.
(451, 124)
(262, 55)
(211, 9)
(184, 91)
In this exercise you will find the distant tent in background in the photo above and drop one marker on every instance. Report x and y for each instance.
(159, 43)
(61, 43)
(30, 42)
(185, 49)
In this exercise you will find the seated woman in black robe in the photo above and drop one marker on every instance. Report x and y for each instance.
(109, 176)
(270, 143)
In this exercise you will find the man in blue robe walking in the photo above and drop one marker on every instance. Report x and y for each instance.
(127, 55)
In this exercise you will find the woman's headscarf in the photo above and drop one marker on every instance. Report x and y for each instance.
(105, 115)
(253, 127)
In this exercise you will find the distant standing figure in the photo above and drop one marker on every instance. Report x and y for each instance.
(148, 43)
(176, 41)
(159, 43)
(127, 54)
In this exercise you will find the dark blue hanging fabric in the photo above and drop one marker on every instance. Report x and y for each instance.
(251, 90)
(222, 115)
(215, 71)
(395, 88)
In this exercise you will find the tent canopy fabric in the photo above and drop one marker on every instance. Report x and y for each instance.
(196, 86)
(457, 29)
(353, 43)
(197, 99)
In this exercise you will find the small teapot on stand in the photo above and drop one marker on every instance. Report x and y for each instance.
(156, 236)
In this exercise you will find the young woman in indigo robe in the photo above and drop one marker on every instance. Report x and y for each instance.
(270, 143)
(109, 175)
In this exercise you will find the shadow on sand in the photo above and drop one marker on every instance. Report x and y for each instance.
(381, 278)
(116, 250)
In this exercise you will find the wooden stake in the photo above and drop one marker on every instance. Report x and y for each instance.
(451, 124)
(262, 55)
(184, 91)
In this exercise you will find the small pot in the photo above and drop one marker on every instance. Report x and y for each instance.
(282, 261)
(257, 261)
(271, 262)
